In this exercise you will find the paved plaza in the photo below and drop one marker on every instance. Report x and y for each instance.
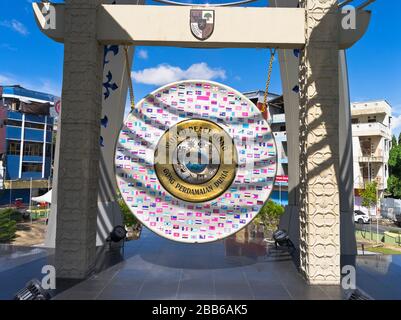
(156, 268)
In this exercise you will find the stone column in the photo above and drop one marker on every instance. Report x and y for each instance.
(319, 145)
(347, 229)
(78, 166)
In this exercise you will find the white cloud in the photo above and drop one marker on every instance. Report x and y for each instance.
(6, 79)
(165, 73)
(15, 25)
(396, 124)
(143, 54)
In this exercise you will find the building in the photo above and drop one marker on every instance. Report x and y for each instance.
(26, 140)
(276, 118)
(371, 140)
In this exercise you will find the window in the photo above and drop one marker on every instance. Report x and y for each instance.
(31, 167)
(35, 125)
(354, 121)
(33, 149)
(14, 123)
(48, 150)
(14, 147)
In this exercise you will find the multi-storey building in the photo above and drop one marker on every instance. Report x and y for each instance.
(371, 139)
(276, 119)
(26, 138)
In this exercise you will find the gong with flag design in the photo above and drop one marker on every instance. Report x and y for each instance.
(195, 161)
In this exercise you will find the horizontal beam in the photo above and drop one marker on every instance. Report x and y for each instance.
(235, 27)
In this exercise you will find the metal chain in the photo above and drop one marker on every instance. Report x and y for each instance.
(266, 94)
(130, 86)
(269, 75)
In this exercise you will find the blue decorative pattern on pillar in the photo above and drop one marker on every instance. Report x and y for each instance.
(104, 122)
(109, 85)
(107, 49)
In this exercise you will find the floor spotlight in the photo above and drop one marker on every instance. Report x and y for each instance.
(281, 238)
(32, 291)
(117, 234)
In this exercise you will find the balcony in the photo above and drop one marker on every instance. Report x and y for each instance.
(278, 118)
(280, 136)
(371, 129)
(370, 108)
(375, 157)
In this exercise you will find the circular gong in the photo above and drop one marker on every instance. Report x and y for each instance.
(195, 161)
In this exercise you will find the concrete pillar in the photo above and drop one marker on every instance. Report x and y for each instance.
(78, 169)
(319, 208)
(347, 225)
(289, 66)
(115, 88)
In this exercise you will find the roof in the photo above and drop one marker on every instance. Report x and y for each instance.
(20, 93)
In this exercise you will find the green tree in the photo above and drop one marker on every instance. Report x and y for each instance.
(399, 139)
(394, 164)
(394, 186)
(394, 141)
(270, 214)
(369, 195)
(8, 226)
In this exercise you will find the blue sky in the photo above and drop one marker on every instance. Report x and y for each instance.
(29, 58)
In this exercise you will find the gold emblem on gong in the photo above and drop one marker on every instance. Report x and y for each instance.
(196, 160)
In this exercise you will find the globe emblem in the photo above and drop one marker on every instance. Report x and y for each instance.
(196, 167)
(196, 160)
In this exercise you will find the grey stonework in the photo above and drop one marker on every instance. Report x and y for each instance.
(78, 166)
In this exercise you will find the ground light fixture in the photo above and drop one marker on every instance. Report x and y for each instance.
(281, 238)
(33, 291)
(117, 234)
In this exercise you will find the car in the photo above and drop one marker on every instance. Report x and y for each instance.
(361, 217)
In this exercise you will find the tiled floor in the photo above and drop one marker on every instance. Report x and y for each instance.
(155, 268)
(380, 276)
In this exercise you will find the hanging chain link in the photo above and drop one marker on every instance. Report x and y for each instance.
(130, 86)
(269, 75)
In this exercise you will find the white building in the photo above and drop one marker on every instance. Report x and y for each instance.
(371, 139)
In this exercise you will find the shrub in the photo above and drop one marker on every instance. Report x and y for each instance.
(128, 217)
(14, 214)
(8, 226)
